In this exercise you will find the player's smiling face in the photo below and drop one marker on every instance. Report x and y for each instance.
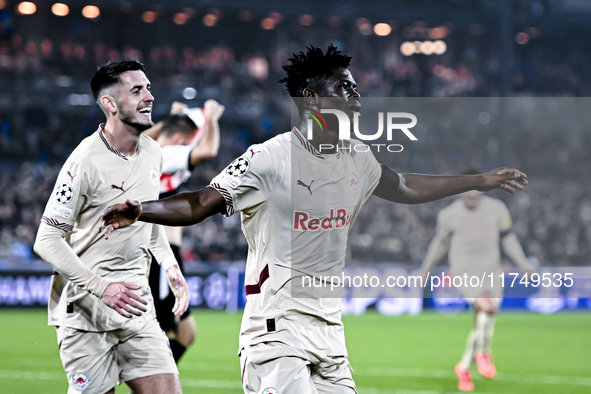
(134, 100)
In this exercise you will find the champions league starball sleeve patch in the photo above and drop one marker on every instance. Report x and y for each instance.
(238, 167)
(64, 193)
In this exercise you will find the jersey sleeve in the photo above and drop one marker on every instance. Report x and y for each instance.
(70, 193)
(175, 158)
(245, 183)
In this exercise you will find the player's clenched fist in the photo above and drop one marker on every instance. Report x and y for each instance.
(119, 216)
(507, 179)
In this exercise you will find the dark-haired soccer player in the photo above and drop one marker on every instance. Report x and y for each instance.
(297, 206)
(100, 300)
(188, 137)
(472, 229)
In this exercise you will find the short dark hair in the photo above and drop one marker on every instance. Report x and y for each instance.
(108, 74)
(307, 68)
(178, 124)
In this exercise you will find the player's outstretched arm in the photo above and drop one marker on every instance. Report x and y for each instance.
(419, 188)
(184, 209)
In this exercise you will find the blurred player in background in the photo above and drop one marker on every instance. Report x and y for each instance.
(290, 344)
(472, 228)
(100, 300)
(187, 137)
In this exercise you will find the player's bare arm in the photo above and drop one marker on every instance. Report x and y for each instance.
(419, 188)
(184, 209)
(209, 144)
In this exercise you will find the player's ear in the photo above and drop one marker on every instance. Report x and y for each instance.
(310, 96)
(108, 102)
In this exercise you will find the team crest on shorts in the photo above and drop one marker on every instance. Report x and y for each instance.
(80, 380)
(238, 167)
(64, 193)
(270, 390)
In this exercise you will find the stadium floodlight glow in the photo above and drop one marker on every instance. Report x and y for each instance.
(149, 16)
(440, 47)
(180, 18)
(60, 9)
(407, 48)
(210, 20)
(306, 19)
(268, 23)
(382, 29)
(189, 93)
(91, 12)
(427, 48)
(437, 33)
(521, 38)
(26, 8)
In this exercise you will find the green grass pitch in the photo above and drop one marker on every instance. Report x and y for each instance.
(400, 355)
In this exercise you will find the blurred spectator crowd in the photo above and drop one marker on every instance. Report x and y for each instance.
(46, 110)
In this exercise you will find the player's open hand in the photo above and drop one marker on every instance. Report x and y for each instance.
(212, 110)
(507, 179)
(119, 216)
(118, 295)
(179, 288)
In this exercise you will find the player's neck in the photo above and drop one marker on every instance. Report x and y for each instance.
(327, 138)
(122, 137)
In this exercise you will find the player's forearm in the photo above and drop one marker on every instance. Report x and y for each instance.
(184, 209)
(513, 248)
(53, 248)
(160, 247)
(209, 145)
(418, 188)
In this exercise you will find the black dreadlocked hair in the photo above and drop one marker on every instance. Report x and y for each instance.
(306, 68)
(108, 74)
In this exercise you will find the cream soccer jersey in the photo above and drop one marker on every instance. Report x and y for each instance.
(297, 207)
(475, 236)
(95, 176)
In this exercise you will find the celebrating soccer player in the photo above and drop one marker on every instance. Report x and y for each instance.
(100, 299)
(290, 344)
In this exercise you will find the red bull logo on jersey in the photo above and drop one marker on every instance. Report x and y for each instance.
(337, 218)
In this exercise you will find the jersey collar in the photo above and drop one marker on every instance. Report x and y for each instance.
(101, 133)
(308, 146)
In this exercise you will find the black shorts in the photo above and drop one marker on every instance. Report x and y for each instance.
(164, 307)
